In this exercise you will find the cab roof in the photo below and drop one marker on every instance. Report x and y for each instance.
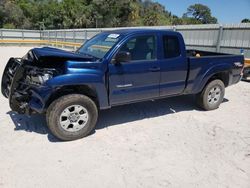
(139, 31)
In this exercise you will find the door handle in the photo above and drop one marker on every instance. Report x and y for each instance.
(154, 69)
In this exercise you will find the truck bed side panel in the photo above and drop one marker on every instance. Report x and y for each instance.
(203, 68)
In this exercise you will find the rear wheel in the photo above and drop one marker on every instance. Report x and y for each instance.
(212, 95)
(72, 117)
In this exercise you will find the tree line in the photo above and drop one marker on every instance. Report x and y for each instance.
(68, 14)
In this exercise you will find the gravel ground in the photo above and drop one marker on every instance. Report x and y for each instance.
(166, 143)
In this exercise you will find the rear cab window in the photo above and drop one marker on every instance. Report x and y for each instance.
(171, 47)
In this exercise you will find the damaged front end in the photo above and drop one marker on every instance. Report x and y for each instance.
(20, 80)
(24, 80)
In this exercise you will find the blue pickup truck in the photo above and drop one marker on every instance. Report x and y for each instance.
(114, 68)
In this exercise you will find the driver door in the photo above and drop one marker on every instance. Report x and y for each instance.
(139, 78)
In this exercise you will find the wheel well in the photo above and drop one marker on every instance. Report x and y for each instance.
(76, 89)
(223, 76)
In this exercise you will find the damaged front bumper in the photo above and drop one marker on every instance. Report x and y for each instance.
(23, 85)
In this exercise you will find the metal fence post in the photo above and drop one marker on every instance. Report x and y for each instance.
(174, 28)
(86, 36)
(40, 32)
(56, 37)
(64, 38)
(1, 33)
(74, 38)
(22, 34)
(48, 38)
(219, 38)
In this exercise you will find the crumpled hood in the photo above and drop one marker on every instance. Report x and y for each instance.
(47, 53)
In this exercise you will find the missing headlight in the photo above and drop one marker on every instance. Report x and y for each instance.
(40, 79)
(38, 76)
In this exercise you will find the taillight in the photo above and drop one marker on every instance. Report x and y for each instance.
(239, 65)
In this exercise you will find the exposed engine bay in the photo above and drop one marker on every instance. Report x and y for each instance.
(20, 78)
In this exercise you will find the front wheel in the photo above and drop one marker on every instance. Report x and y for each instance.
(212, 95)
(72, 117)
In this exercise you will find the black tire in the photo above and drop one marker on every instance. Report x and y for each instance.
(57, 107)
(203, 99)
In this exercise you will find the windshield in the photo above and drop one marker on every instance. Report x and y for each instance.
(99, 45)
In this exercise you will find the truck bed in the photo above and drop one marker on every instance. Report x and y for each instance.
(200, 53)
(203, 64)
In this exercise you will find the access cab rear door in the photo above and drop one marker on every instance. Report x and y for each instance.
(173, 64)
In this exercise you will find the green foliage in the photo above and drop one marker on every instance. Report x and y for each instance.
(12, 15)
(246, 20)
(58, 14)
(1, 16)
(9, 26)
(154, 14)
(199, 14)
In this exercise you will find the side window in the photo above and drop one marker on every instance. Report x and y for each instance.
(141, 48)
(171, 47)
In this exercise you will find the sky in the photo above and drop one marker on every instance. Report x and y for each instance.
(226, 11)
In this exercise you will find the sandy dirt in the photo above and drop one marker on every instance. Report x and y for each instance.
(166, 143)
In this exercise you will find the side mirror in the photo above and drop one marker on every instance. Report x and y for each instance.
(123, 57)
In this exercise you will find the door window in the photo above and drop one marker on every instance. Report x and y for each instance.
(141, 48)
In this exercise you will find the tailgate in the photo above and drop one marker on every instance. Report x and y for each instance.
(246, 72)
(247, 62)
